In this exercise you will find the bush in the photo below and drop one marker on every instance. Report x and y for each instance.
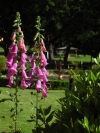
(3, 63)
(58, 84)
(80, 112)
(96, 68)
(54, 84)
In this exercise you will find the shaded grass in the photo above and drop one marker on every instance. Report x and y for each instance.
(25, 99)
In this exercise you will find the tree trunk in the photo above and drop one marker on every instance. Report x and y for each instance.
(51, 52)
(66, 57)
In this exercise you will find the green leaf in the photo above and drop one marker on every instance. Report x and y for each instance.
(47, 8)
(99, 84)
(51, 3)
(95, 60)
(92, 128)
(50, 117)
(40, 118)
(65, 125)
(41, 111)
(47, 110)
(91, 90)
(76, 77)
(76, 98)
(86, 123)
(98, 129)
(98, 75)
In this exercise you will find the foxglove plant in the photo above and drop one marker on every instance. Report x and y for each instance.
(39, 62)
(38, 72)
(16, 60)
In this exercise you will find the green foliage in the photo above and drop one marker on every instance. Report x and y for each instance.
(88, 126)
(17, 21)
(95, 68)
(58, 84)
(0, 75)
(80, 108)
(67, 21)
(45, 116)
(2, 63)
(38, 37)
(87, 35)
(85, 124)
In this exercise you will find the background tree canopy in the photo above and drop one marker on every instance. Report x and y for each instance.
(66, 22)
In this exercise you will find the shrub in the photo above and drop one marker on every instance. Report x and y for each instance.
(96, 68)
(55, 84)
(80, 112)
(59, 84)
(2, 63)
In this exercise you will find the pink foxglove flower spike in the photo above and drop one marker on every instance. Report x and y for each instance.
(16, 58)
(39, 62)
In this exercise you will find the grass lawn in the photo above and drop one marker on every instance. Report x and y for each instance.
(81, 58)
(25, 99)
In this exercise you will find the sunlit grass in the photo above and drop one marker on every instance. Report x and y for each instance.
(78, 58)
(81, 58)
(25, 100)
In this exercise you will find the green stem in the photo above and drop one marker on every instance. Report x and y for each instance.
(16, 108)
(37, 112)
(16, 103)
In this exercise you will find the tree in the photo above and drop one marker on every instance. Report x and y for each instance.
(67, 22)
(87, 35)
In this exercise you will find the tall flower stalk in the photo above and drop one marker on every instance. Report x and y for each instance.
(16, 60)
(38, 74)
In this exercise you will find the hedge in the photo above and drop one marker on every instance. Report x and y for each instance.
(52, 84)
(58, 84)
